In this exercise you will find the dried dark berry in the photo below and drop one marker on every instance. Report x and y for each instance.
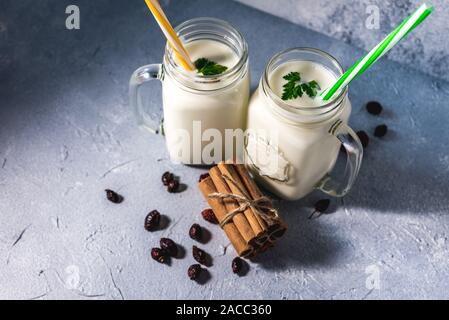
(204, 176)
(364, 139)
(152, 220)
(159, 255)
(113, 196)
(169, 246)
(237, 265)
(199, 255)
(208, 215)
(380, 131)
(194, 271)
(173, 186)
(320, 207)
(195, 232)
(374, 107)
(167, 177)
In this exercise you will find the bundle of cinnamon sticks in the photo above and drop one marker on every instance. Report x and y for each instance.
(245, 214)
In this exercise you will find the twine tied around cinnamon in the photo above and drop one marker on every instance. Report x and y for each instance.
(259, 207)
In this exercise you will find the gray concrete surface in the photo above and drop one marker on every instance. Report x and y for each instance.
(427, 48)
(67, 133)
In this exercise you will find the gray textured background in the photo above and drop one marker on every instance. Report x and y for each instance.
(67, 133)
(426, 49)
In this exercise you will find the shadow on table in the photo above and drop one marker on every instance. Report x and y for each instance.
(397, 177)
(307, 242)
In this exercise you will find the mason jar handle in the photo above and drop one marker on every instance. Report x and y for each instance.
(150, 121)
(354, 152)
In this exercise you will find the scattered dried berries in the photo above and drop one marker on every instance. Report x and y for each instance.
(204, 176)
(380, 130)
(208, 215)
(195, 232)
(152, 220)
(374, 107)
(173, 186)
(159, 255)
(237, 265)
(320, 207)
(199, 255)
(169, 246)
(167, 177)
(194, 271)
(113, 196)
(364, 139)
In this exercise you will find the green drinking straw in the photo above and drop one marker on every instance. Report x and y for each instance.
(378, 51)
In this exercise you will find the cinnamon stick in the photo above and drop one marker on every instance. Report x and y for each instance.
(275, 230)
(253, 218)
(241, 246)
(248, 231)
(251, 187)
(239, 219)
(266, 246)
(262, 239)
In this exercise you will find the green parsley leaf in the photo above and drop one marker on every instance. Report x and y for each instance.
(291, 91)
(211, 70)
(208, 67)
(311, 88)
(294, 88)
(200, 63)
(292, 76)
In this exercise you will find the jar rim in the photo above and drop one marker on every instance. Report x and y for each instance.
(326, 107)
(195, 77)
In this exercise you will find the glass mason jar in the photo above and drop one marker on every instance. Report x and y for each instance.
(197, 109)
(292, 150)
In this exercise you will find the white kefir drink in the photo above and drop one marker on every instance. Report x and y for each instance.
(290, 145)
(209, 111)
(203, 109)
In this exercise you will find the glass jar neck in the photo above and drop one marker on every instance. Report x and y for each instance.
(207, 29)
(303, 114)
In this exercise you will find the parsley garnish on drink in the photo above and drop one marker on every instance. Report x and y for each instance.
(294, 88)
(208, 67)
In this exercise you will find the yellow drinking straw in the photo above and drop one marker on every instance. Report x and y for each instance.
(172, 38)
